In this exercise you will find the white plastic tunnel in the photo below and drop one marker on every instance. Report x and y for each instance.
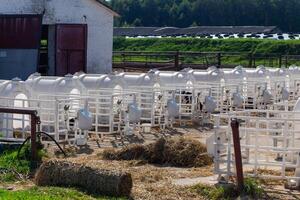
(294, 79)
(258, 83)
(211, 75)
(141, 80)
(68, 86)
(294, 71)
(56, 98)
(181, 100)
(279, 82)
(175, 80)
(107, 98)
(256, 73)
(14, 94)
(238, 74)
(94, 83)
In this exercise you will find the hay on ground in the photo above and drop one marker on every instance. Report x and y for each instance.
(95, 181)
(178, 152)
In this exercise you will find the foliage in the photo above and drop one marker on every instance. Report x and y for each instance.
(262, 48)
(252, 189)
(12, 167)
(48, 193)
(215, 193)
(206, 45)
(184, 13)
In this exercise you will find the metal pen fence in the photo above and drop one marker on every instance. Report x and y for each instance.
(177, 60)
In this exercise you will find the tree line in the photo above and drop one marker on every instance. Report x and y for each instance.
(184, 13)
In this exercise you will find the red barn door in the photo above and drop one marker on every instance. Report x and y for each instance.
(71, 48)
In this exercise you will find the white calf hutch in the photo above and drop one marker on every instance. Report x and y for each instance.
(75, 108)
(14, 94)
(150, 97)
(111, 105)
(58, 100)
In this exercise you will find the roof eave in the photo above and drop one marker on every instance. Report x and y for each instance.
(108, 8)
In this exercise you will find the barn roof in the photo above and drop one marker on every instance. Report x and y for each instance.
(107, 7)
(198, 30)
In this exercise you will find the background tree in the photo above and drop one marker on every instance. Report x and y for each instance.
(184, 13)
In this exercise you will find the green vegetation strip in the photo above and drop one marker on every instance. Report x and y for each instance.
(11, 168)
(251, 189)
(49, 193)
(266, 46)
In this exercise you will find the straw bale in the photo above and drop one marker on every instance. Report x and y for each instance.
(92, 180)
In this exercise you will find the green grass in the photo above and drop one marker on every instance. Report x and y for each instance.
(245, 46)
(266, 46)
(11, 167)
(49, 193)
(215, 193)
(252, 189)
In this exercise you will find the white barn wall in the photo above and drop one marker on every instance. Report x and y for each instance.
(98, 18)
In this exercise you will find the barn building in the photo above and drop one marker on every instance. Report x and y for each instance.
(55, 37)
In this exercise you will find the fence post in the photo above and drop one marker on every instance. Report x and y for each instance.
(219, 60)
(176, 60)
(280, 61)
(237, 153)
(250, 55)
(286, 60)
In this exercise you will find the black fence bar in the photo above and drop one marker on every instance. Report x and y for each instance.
(202, 60)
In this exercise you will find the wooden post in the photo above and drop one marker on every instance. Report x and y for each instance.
(33, 139)
(237, 153)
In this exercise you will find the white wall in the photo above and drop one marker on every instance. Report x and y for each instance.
(90, 12)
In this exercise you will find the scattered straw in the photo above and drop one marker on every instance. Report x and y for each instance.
(178, 152)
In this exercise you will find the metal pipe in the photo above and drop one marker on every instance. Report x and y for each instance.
(237, 153)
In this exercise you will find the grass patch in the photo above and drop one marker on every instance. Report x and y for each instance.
(13, 168)
(252, 189)
(265, 46)
(260, 47)
(49, 193)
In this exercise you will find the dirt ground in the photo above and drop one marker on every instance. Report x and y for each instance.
(158, 182)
